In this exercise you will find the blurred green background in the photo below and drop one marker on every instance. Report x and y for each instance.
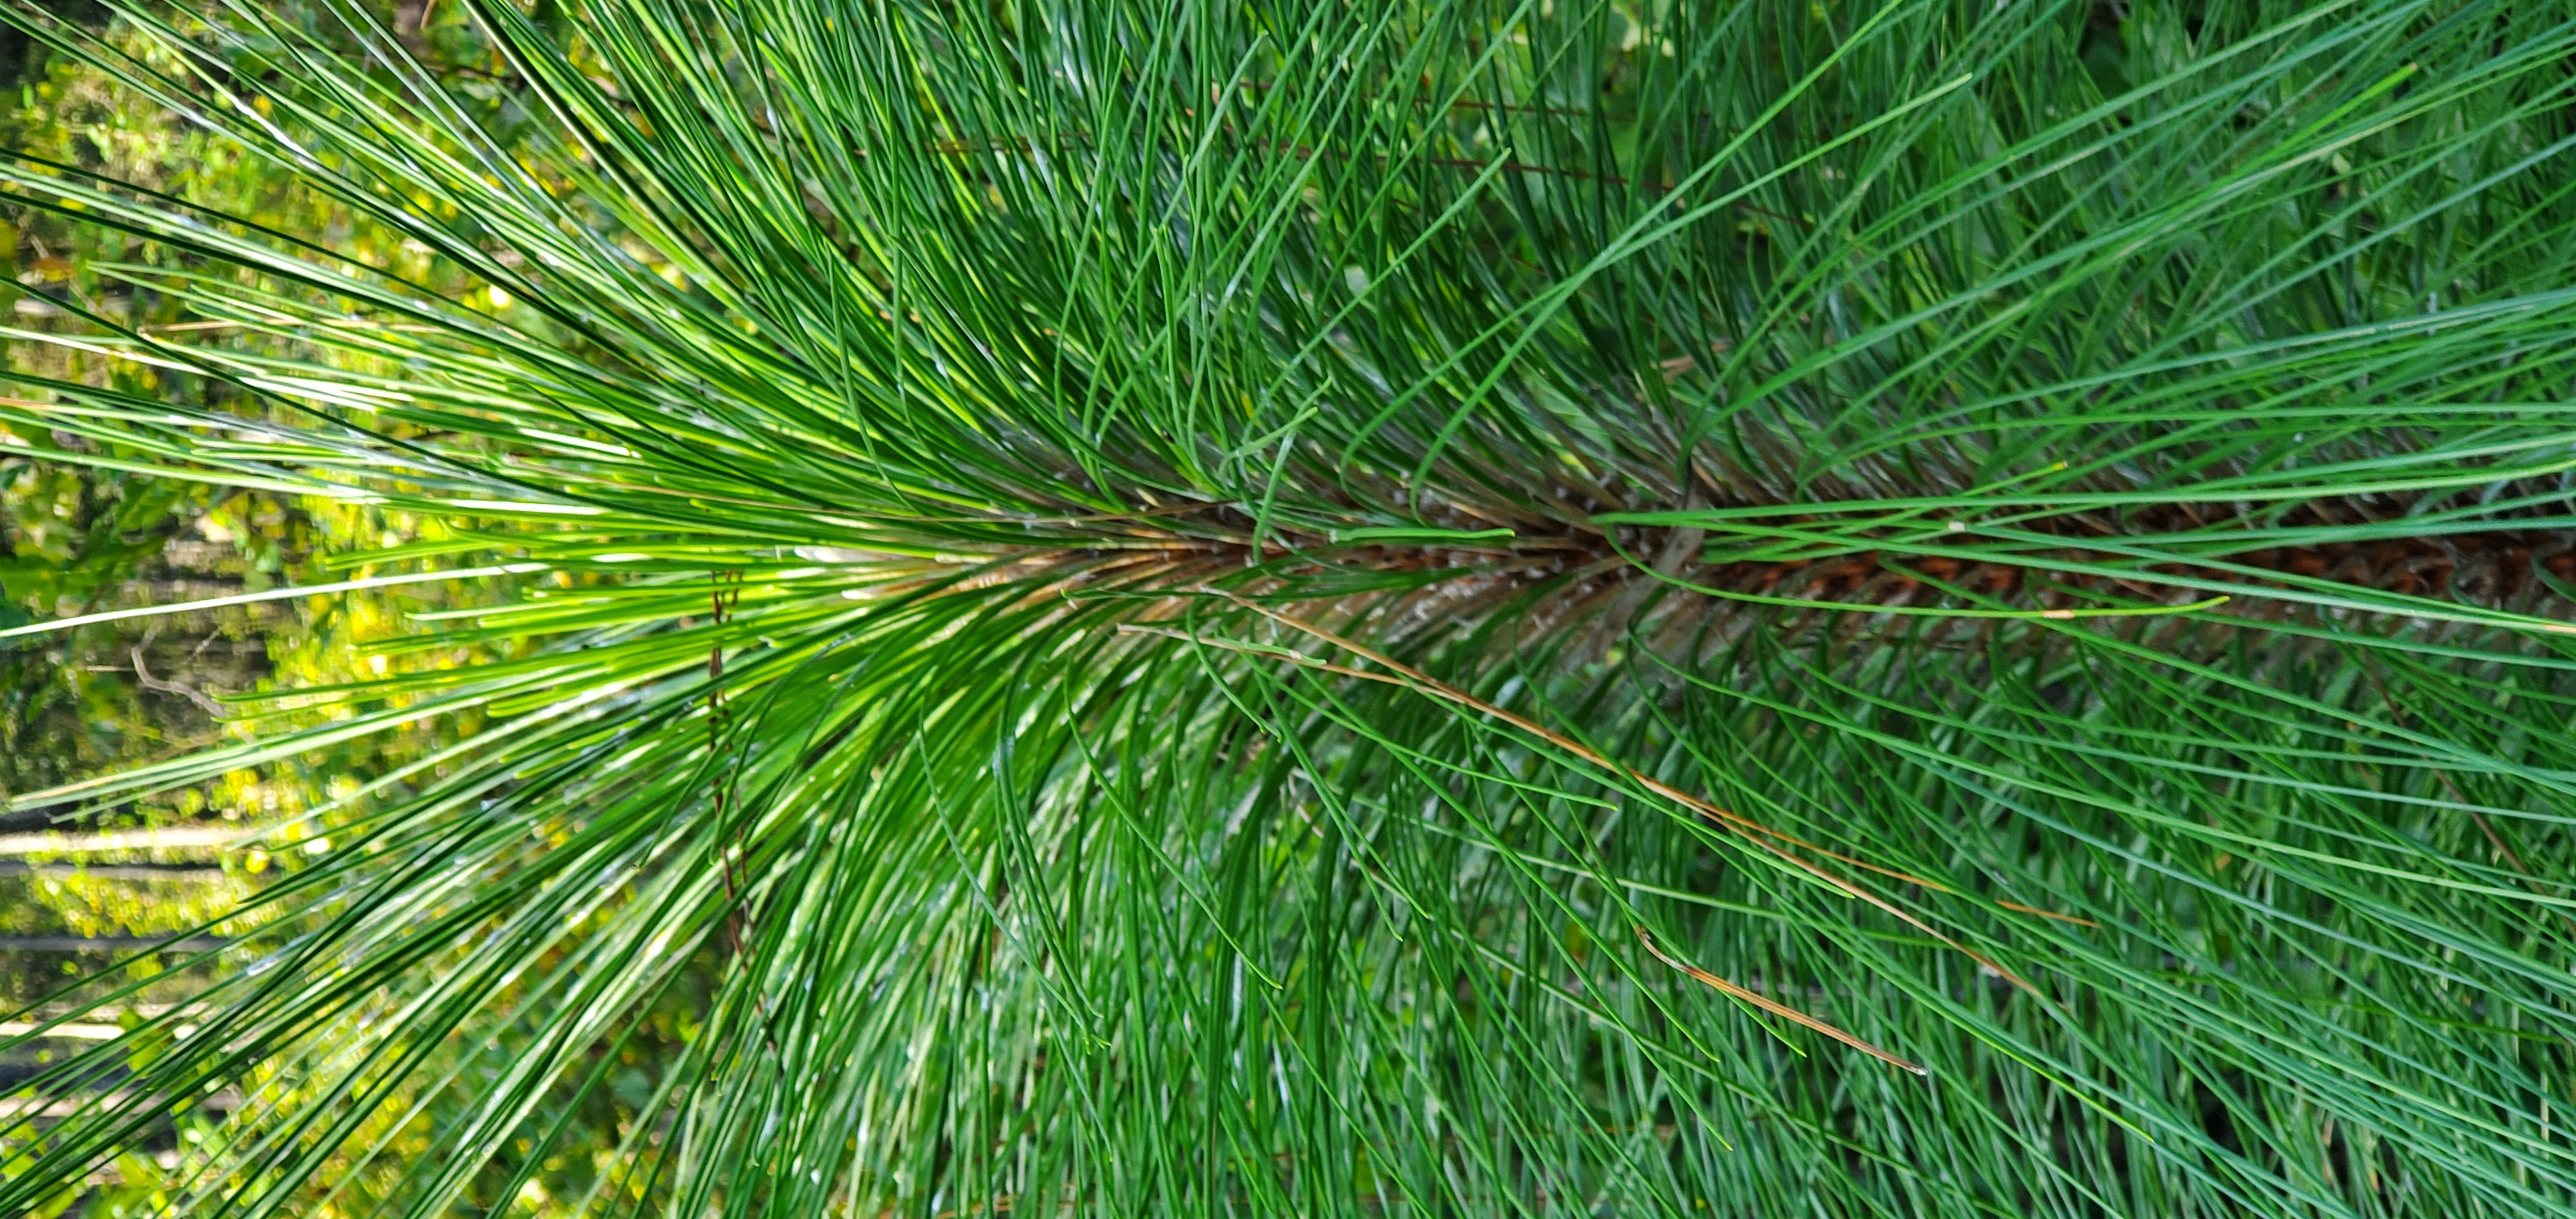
(80, 891)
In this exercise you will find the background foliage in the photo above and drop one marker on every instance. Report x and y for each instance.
(76, 539)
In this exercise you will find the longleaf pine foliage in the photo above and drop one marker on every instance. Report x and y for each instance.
(1439, 607)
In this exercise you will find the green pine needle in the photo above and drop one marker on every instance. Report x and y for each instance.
(1442, 608)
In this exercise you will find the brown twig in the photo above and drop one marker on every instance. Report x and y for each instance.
(738, 924)
(1776, 1008)
(1752, 831)
(158, 686)
(1428, 684)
